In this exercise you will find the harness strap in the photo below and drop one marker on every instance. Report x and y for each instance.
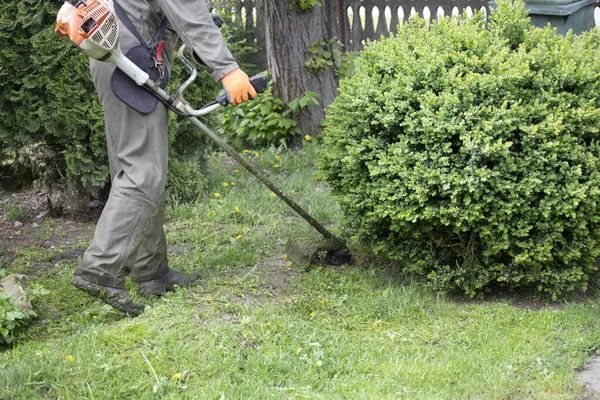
(160, 33)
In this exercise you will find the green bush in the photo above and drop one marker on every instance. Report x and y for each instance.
(264, 121)
(51, 122)
(471, 154)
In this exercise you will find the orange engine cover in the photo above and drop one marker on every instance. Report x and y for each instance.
(79, 23)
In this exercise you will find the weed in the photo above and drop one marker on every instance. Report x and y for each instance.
(13, 211)
(43, 232)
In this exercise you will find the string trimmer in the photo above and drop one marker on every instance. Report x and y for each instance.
(92, 25)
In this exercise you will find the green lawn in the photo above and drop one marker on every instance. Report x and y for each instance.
(260, 326)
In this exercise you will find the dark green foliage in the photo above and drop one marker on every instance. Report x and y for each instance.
(471, 155)
(51, 122)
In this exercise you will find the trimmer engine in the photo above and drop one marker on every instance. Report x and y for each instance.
(92, 25)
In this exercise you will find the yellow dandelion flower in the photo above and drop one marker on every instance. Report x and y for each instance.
(225, 184)
(308, 138)
(257, 155)
(273, 194)
(220, 201)
(312, 314)
(236, 170)
(290, 264)
(246, 151)
(278, 158)
(237, 210)
(70, 358)
(299, 350)
(276, 166)
(238, 237)
(176, 376)
(217, 194)
(232, 183)
(322, 302)
(285, 257)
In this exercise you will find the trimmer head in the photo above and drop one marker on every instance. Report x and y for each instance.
(333, 252)
(338, 257)
(318, 251)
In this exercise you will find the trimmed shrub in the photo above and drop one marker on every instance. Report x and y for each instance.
(51, 121)
(471, 154)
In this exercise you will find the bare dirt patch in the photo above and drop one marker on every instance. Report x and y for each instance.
(270, 282)
(31, 227)
(267, 283)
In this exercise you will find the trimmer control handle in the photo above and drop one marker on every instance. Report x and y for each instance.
(259, 82)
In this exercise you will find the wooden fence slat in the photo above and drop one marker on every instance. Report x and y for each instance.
(394, 21)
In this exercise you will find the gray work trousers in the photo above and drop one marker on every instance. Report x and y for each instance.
(129, 236)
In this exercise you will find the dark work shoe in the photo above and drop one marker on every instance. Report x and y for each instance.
(169, 282)
(117, 298)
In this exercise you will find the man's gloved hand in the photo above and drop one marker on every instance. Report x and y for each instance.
(217, 19)
(238, 87)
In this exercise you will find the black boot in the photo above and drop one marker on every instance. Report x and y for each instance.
(117, 298)
(169, 282)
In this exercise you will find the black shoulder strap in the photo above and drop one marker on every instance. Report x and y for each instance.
(161, 32)
(124, 18)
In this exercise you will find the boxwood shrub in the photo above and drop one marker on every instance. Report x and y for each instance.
(468, 151)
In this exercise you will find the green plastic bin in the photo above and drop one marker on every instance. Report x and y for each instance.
(562, 14)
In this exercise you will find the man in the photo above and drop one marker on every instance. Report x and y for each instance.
(129, 237)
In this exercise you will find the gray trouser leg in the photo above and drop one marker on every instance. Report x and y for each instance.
(129, 236)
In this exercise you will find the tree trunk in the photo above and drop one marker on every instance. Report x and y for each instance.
(289, 33)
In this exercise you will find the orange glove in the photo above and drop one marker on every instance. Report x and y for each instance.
(238, 87)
